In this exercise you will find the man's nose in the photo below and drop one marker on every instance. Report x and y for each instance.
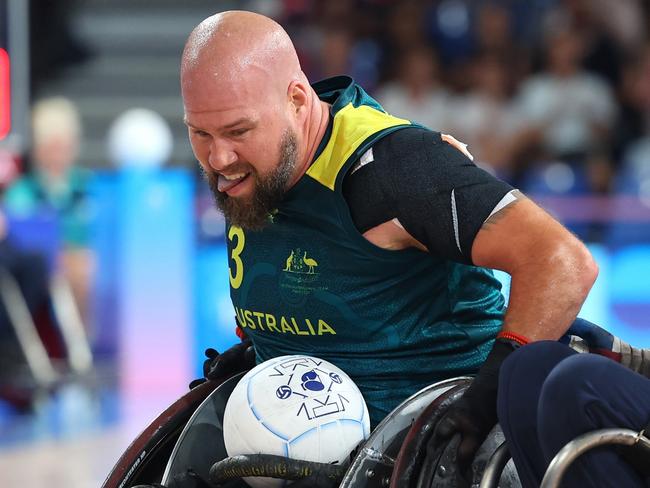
(221, 157)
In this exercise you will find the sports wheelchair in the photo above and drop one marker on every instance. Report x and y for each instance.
(183, 448)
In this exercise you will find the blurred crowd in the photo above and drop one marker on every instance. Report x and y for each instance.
(553, 95)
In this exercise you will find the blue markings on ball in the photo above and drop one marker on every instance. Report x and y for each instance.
(336, 378)
(311, 381)
(283, 392)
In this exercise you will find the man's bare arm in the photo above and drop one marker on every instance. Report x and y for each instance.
(552, 271)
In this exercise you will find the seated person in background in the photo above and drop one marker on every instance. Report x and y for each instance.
(56, 184)
(549, 395)
(29, 271)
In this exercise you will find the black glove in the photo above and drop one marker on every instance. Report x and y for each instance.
(239, 357)
(475, 413)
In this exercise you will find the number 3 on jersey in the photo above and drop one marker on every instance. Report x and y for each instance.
(236, 238)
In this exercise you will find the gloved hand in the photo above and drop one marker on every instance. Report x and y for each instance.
(239, 357)
(585, 336)
(475, 413)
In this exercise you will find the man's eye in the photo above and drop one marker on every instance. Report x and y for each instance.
(200, 133)
(238, 132)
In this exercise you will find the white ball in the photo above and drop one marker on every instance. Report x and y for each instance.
(140, 138)
(299, 407)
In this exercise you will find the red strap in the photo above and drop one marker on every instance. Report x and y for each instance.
(240, 333)
(511, 336)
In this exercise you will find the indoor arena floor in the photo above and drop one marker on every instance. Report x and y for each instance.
(71, 439)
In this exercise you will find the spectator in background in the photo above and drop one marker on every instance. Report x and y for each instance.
(334, 38)
(484, 118)
(624, 20)
(568, 111)
(29, 272)
(336, 52)
(633, 178)
(598, 23)
(449, 27)
(322, 27)
(634, 96)
(495, 38)
(55, 184)
(417, 93)
(404, 29)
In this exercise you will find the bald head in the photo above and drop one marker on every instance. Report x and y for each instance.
(238, 47)
(253, 120)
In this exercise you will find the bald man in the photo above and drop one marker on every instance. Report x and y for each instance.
(365, 239)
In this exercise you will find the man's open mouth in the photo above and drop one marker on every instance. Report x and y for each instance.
(227, 183)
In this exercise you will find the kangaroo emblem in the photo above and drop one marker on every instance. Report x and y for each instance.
(289, 262)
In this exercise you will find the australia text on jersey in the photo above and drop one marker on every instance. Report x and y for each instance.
(281, 324)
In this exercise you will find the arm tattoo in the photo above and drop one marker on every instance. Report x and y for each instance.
(494, 217)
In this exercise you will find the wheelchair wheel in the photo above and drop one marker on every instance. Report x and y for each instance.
(201, 443)
(374, 463)
(145, 459)
(396, 454)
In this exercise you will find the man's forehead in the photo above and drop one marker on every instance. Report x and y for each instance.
(223, 94)
(211, 115)
(215, 120)
(228, 77)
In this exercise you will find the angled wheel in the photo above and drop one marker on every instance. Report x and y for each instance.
(578, 446)
(374, 464)
(145, 459)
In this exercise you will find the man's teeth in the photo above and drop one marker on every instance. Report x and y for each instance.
(235, 177)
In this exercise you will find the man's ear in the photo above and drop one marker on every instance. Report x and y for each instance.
(297, 95)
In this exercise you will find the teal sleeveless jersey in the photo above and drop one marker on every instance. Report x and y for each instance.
(310, 283)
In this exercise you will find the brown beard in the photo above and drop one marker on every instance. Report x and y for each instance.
(253, 213)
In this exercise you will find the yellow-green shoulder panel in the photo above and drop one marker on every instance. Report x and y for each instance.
(351, 127)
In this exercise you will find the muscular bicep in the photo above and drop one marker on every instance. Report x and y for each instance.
(517, 234)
